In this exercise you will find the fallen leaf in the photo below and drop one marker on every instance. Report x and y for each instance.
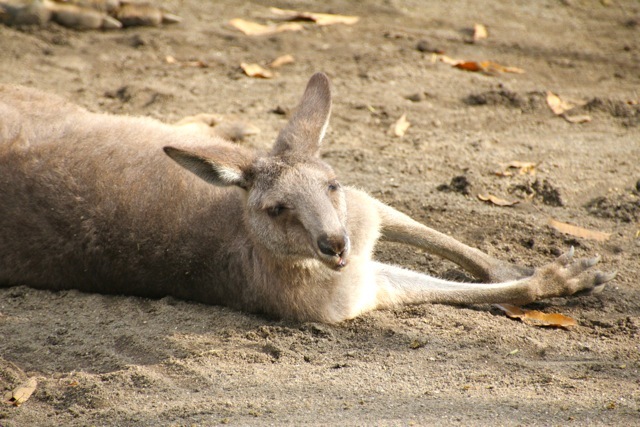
(255, 70)
(584, 118)
(254, 29)
(537, 318)
(399, 128)
(557, 104)
(524, 168)
(486, 67)
(446, 59)
(491, 66)
(22, 393)
(560, 107)
(479, 32)
(281, 60)
(318, 18)
(468, 66)
(496, 200)
(576, 231)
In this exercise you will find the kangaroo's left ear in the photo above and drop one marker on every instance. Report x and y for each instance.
(306, 128)
(218, 165)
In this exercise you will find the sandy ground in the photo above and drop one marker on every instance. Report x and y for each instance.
(105, 360)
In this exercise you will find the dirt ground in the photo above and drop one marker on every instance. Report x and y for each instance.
(109, 360)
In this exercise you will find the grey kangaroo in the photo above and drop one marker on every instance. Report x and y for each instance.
(126, 205)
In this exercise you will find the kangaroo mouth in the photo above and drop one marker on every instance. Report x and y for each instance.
(336, 262)
(334, 257)
(340, 263)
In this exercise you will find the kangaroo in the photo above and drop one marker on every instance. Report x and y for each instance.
(126, 205)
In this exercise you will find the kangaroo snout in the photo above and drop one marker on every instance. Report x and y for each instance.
(335, 246)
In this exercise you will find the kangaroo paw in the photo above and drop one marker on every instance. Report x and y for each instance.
(566, 276)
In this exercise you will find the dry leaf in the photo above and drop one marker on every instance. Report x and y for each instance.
(281, 60)
(400, 126)
(255, 70)
(479, 32)
(577, 119)
(537, 318)
(576, 231)
(491, 66)
(524, 168)
(496, 200)
(557, 104)
(22, 393)
(486, 67)
(254, 29)
(318, 18)
(447, 60)
(482, 66)
(560, 106)
(468, 66)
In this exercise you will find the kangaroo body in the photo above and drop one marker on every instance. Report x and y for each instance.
(99, 203)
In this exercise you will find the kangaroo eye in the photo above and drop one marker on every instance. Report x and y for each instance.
(275, 211)
(333, 185)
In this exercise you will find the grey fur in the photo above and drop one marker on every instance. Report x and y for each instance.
(90, 201)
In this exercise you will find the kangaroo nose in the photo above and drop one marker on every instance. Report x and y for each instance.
(333, 245)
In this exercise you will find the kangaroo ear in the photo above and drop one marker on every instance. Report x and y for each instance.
(306, 128)
(218, 165)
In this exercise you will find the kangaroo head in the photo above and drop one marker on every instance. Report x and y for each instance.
(295, 207)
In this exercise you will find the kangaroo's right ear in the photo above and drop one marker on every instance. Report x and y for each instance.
(218, 165)
(305, 130)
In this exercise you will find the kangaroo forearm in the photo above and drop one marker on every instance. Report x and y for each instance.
(400, 228)
(398, 287)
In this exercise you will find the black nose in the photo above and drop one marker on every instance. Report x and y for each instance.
(332, 245)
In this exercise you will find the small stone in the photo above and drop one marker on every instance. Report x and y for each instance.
(425, 46)
(459, 184)
(416, 97)
(281, 111)
(136, 41)
(632, 23)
